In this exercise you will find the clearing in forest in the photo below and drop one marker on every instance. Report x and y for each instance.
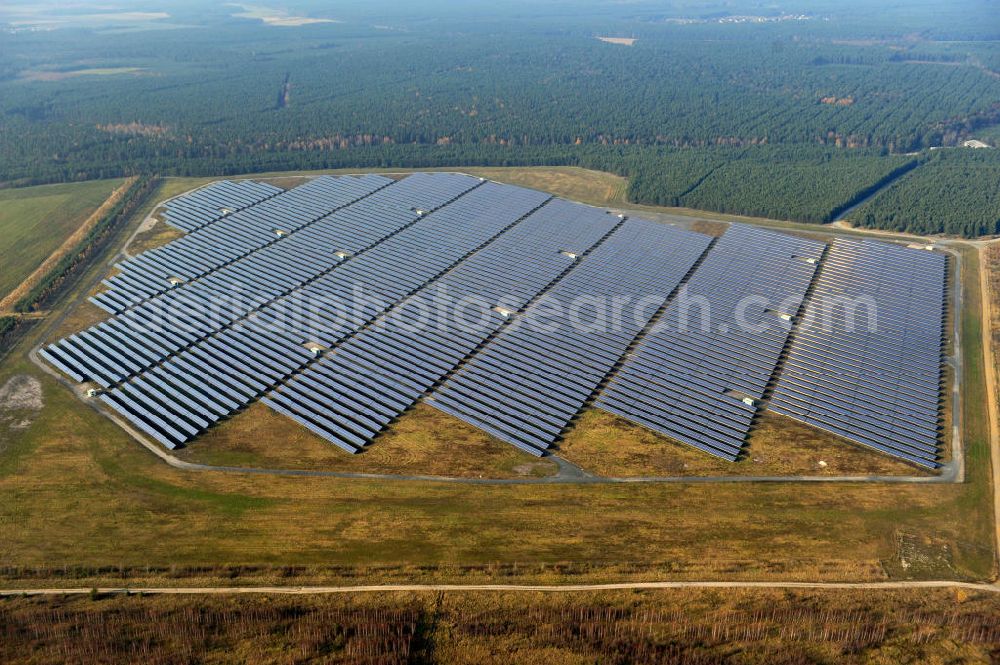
(622, 41)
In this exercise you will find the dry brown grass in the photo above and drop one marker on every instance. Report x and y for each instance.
(78, 491)
(288, 182)
(158, 234)
(86, 314)
(593, 187)
(423, 441)
(992, 257)
(663, 627)
(608, 445)
(709, 227)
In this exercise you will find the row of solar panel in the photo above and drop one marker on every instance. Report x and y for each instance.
(331, 307)
(699, 383)
(286, 216)
(172, 321)
(351, 395)
(231, 238)
(228, 368)
(237, 289)
(213, 202)
(696, 375)
(529, 383)
(866, 362)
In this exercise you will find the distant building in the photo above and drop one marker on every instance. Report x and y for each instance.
(975, 143)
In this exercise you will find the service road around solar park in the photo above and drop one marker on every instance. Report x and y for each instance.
(952, 472)
(990, 369)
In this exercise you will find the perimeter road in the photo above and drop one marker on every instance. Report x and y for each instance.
(546, 588)
(990, 370)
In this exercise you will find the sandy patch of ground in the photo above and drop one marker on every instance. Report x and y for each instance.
(39, 75)
(20, 400)
(533, 469)
(21, 393)
(622, 41)
(277, 17)
(150, 221)
(293, 21)
(50, 15)
(135, 129)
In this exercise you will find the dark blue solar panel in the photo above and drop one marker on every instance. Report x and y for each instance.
(361, 278)
(234, 237)
(246, 357)
(211, 203)
(717, 343)
(392, 364)
(866, 361)
(528, 383)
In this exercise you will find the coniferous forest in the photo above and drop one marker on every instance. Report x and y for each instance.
(799, 111)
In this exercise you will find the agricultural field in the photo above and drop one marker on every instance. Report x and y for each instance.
(34, 222)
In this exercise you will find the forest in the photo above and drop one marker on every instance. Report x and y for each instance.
(796, 119)
(926, 201)
(804, 183)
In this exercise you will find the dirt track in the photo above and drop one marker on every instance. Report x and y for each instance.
(990, 368)
(554, 588)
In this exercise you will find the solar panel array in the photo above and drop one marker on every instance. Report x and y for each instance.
(866, 361)
(167, 323)
(230, 239)
(213, 202)
(717, 343)
(345, 300)
(202, 375)
(354, 393)
(529, 383)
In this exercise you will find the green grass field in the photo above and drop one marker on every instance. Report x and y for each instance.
(34, 222)
(79, 492)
